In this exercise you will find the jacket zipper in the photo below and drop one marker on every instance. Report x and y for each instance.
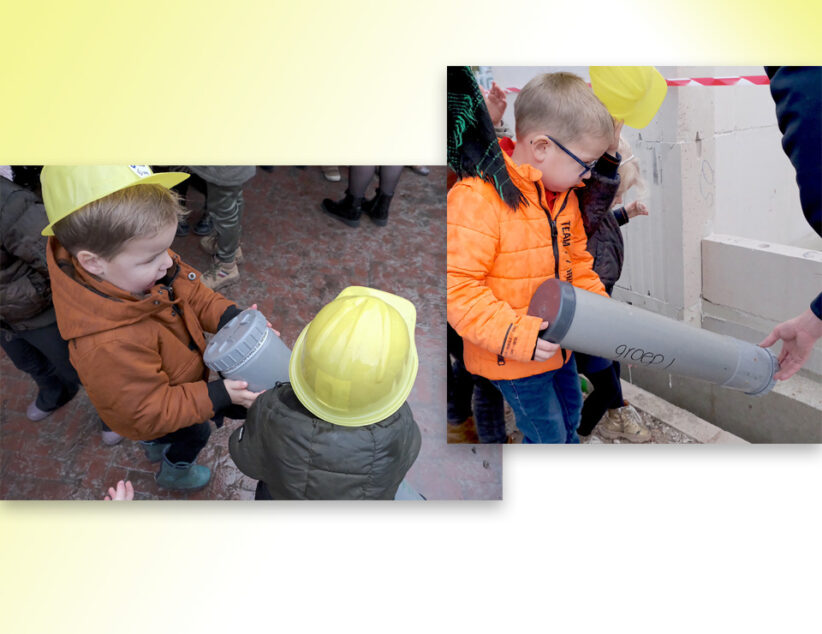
(500, 358)
(553, 225)
(554, 237)
(555, 247)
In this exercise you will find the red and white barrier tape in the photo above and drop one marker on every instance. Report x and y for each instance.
(756, 80)
(744, 80)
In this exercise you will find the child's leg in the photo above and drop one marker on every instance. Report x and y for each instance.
(569, 395)
(225, 208)
(262, 492)
(544, 414)
(186, 443)
(52, 345)
(607, 392)
(489, 411)
(618, 398)
(459, 383)
(43, 355)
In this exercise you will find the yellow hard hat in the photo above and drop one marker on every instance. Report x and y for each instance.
(67, 188)
(355, 363)
(632, 93)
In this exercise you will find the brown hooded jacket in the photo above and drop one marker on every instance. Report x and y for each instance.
(139, 358)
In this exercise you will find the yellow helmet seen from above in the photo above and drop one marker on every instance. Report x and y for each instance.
(355, 363)
(67, 188)
(631, 93)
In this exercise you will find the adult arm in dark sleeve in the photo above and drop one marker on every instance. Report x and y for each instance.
(797, 93)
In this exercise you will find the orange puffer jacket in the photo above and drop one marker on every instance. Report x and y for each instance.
(140, 359)
(498, 257)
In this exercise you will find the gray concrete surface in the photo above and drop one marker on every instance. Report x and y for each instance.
(790, 413)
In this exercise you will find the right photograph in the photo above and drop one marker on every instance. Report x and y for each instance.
(634, 254)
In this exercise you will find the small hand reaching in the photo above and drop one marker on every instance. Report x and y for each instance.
(124, 491)
(267, 323)
(636, 208)
(239, 393)
(496, 102)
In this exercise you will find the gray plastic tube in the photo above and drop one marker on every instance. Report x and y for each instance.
(597, 325)
(246, 349)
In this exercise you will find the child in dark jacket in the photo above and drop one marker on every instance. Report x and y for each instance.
(610, 180)
(29, 334)
(341, 429)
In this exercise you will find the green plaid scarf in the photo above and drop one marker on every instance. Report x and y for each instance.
(473, 149)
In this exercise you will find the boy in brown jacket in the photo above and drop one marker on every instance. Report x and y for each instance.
(134, 314)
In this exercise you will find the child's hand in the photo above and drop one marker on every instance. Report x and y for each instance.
(239, 394)
(496, 102)
(636, 208)
(124, 491)
(267, 323)
(614, 147)
(545, 349)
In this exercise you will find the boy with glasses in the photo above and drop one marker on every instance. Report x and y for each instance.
(497, 257)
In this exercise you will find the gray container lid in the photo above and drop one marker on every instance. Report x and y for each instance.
(235, 342)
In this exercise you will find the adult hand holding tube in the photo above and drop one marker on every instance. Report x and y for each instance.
(798, 336)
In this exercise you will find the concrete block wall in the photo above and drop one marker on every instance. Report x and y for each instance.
(757, 285)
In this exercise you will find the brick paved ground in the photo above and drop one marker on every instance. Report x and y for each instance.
(297, 260)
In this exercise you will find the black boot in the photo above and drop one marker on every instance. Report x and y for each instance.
(377, 208)
(347, 210)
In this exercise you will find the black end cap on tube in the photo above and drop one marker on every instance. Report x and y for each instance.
(555, 302)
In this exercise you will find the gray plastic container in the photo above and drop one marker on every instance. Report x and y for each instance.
(596, 325)
(248, 350)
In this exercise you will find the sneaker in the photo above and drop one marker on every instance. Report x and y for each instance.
(221, 274)
(110, 438)
(203, 226)
(331, 173)
(422, 170)
(209, 245)
(35, 414)
(624, 422)
(464, 432)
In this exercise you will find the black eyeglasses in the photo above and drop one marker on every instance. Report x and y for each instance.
(588, 166)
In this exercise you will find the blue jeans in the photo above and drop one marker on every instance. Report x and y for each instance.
(547, 406)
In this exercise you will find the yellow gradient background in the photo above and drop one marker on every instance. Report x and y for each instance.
(660, 540)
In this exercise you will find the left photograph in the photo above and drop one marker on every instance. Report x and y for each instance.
(227, 332)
